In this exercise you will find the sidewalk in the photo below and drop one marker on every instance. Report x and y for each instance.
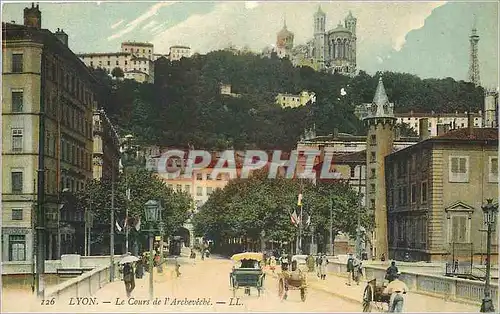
(336, 284)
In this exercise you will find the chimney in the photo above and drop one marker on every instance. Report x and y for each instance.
(470, 122)
(423, 128)
(321, 153)
(440, 129)
(62, 36)
(33, 16)
(335, 133)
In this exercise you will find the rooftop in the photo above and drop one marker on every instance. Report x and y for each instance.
(478, 134)
(134, 43)
(103, 54)
(436, 114)
(180, 46)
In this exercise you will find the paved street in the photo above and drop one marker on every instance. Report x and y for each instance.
(209, 280)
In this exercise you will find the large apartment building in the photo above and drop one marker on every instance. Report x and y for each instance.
(135, 60)
(48, 102)
(435, 190)
(106, 152)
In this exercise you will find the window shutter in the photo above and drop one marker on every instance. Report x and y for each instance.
(463, 165)
(494, 166)
(454, 165)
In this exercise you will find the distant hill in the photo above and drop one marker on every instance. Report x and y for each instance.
(184, 105)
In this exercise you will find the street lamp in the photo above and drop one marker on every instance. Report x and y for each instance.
(490, 211)
(152, 214)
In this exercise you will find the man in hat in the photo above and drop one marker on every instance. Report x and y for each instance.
(396, 289)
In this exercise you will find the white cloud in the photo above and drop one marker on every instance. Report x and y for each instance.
(132, 25)
(117, 24)
(150, 24)
(251, 4)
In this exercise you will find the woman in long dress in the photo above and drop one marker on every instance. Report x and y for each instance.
(322, 267)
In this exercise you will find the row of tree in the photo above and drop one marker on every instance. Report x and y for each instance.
(184, 105)
(262, 207)
(143, 186)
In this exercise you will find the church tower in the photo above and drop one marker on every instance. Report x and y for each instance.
(350, 23)
(284, 41)
(319, 37)
(380, 121)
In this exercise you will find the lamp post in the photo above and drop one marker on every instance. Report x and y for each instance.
(89, 221)
(152, 214)
(330, 241)
(490, 211)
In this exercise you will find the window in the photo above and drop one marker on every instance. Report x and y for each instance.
(353, 172)
(209, 191)
(372, 203)
(413, 193)
(17, 182)
(423, 192)
(199, 191)
(17, 140)
(459, 229)
(17, 248)
(117, 63)
(187, 188)
(17, 62)
(458, 169)
(372, 188)
(209, 176)
(493, 171)
(373, 139)
(17, 101)
(179, 188)
(199, 176)
(372, 173)
(17, 214)
(372, 157)
(413, 162)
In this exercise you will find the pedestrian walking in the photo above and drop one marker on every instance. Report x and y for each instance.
(396, 289)
(391, 272)
(322, 267)
(128, 278)
(177, 267)
(272, 263)
(350, 269)
(139, 269)
(455, 266)
(358, 272)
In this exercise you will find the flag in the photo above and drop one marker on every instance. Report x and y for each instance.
(299, 201)
(128, 195)
(138, 224)
(118, 227)
(294, 218)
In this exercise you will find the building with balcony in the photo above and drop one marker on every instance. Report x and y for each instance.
(106, 152)
(48, 102)
(435, 190)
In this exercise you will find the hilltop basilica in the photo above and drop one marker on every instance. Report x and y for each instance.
(331, 51)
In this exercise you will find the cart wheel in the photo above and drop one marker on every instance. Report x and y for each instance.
(303, 294)
(367, 299)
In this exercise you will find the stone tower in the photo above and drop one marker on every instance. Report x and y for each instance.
(319, 37)
(473, 57)
(350, 23)
(490, 119)
(380, 122)
(284, 41)
(33, 16)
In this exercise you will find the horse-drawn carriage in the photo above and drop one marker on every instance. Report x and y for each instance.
(292, 280)
(249, 274)
(374, 295)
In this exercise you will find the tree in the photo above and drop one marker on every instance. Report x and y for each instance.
(144, 186)
(117, 72)
(247, 207)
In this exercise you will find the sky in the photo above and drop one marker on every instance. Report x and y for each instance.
(429, 39)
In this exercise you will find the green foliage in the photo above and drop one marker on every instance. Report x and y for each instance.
(184, 105)
(117, 72)
(246, 207)
(144, 186)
